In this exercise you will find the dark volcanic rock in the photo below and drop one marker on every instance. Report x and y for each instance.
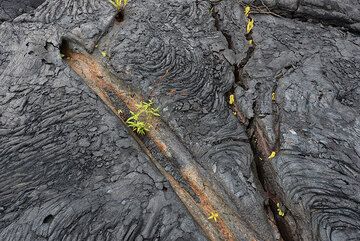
(340, 13)
(313, 122)
(70, 169)
(10, 9)
(186, 67)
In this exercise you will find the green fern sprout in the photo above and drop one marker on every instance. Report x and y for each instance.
(146, 107)
(137, 120)
(118, 3)
(133, 117)
(139, 126)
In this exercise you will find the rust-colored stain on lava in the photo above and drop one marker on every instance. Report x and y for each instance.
(262, 142)
(99, 80)
(192, 177)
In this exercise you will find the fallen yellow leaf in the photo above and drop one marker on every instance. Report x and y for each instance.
(272, 155)
(280, 212)
(247, 10)
(250, 25)
(214, 215)
(273, 96)
(231, 99)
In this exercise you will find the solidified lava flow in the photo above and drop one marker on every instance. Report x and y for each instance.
(256, 134)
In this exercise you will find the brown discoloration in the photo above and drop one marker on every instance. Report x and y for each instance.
(184, 93)
(229, 226)
(211, 201)
(239, 114)
(172, 92)
(93, 74)
(235, 108)
(262, 142)
(162, 147)
(206, 203)
(195, 210)
(98, 79)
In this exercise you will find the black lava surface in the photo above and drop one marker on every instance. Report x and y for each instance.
(69, 170)
(10, 9)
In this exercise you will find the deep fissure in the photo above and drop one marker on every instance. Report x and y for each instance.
(251, 127)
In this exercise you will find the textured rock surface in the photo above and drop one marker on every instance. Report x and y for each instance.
(71, 171)
(313, 122)
(344, 13)
(9, 9)
(186, 68)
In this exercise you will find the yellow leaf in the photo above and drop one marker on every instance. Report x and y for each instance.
(250, 25)
(247, 11)
(234, 113)
(214, 215)
(272, 155)
(103, 53)
(231, 99)
(113, 3)
(125, 2)
(280, 212)
(251, 42)
(273, 96)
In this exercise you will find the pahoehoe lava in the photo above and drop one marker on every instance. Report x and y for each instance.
(71, 71)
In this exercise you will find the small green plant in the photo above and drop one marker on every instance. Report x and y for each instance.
(140, 127)
(118, 4)
(137, 120)
(104, 54)
(147, 108)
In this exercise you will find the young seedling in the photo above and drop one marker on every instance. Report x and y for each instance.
(104, 54)
(137, 120)
(140, 127)
(214, 216)
(147, 108)
(118, 4)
